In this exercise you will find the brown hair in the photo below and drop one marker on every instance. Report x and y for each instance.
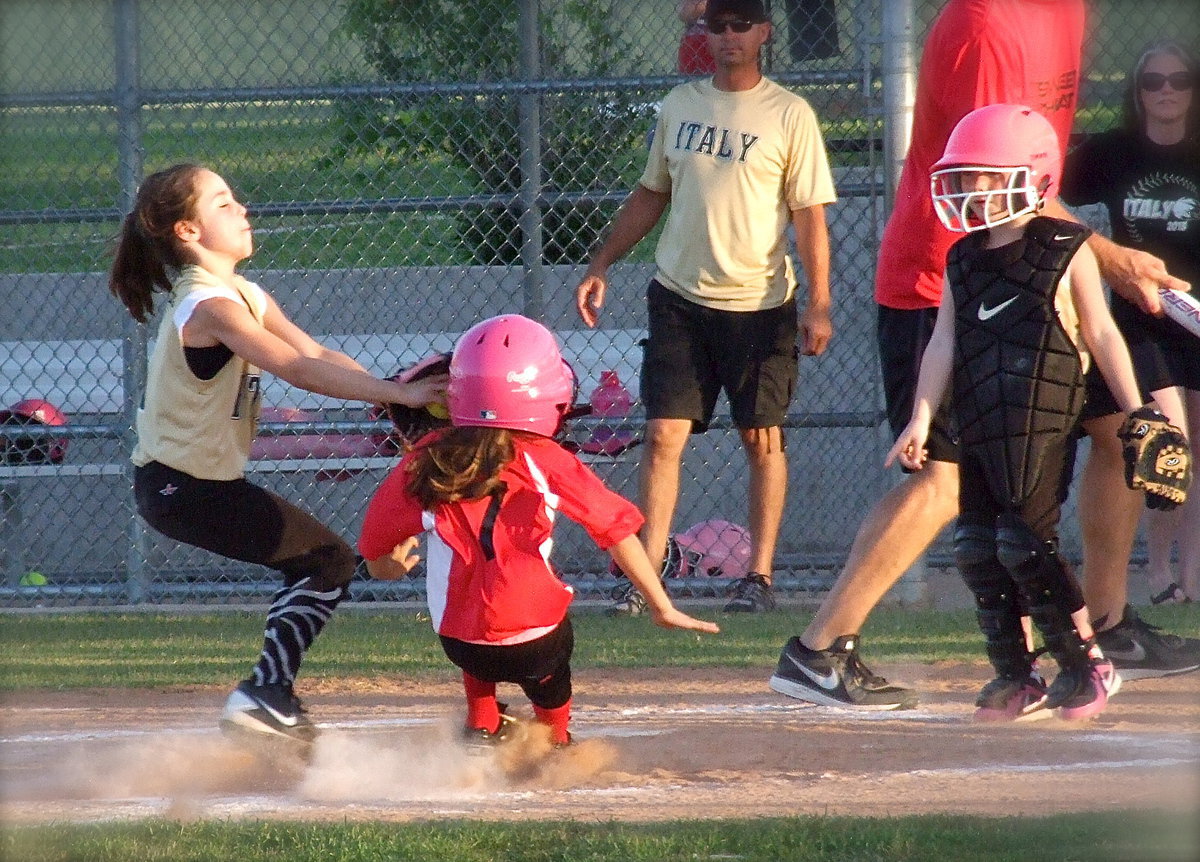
(460, 464)
(1133, 115)
(147, 245)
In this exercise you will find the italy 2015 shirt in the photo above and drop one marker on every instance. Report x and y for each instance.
(488, 574)
(1151, 192)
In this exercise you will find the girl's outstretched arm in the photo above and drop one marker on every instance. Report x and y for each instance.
(231, 324)
(631, 557)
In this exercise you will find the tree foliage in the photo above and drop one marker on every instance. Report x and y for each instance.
(586, 136)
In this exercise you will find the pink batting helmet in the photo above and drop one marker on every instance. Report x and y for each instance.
(1012, 140)
(507, 372)
(715, 548)
(31, 447)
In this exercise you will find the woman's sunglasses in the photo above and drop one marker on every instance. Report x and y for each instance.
(1152, 82)
(718, 27)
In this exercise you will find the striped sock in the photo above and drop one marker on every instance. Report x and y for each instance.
(296, 617)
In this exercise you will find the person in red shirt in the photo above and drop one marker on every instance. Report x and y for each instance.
(978, 52)
(487, 492)
(694, 56)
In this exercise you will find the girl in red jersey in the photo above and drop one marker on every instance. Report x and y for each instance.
(487, 492)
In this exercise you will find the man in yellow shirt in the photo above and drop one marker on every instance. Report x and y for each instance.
(734, 161)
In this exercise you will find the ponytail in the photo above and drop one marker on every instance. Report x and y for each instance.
(460, 464)
(147, 247)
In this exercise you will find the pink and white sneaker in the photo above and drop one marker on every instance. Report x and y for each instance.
(1005, 699)
(1082, 692)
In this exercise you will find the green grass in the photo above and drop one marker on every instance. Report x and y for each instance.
(1103, 837)
(140, 650)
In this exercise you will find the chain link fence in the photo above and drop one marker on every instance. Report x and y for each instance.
(411, 166)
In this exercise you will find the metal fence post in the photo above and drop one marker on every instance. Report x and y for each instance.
(899, 89)
(899, 86)
(128, 100)
(530, 132)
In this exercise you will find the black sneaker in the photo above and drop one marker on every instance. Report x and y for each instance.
(751, 595)
(627, 601)
(836, 677)
(268, 709)
(1139, 650)
(1173, 594)
(480, 738)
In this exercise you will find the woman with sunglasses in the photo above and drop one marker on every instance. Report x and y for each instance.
(1146, 172)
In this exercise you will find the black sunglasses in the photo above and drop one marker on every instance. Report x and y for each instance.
(718, 27)
(1152, 82)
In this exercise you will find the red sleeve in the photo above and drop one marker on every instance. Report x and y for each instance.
(585, 499)
(393, 515)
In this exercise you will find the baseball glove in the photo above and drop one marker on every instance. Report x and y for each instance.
(413, 423)
(1157, 458)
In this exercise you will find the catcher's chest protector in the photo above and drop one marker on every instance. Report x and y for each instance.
(1018, 378)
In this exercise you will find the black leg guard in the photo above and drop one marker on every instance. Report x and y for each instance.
(1049, 588)
(997, 603)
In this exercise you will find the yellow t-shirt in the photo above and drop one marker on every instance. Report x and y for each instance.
(201, 427)
(736, 164)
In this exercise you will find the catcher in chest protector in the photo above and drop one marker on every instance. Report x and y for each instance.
(1023, 315)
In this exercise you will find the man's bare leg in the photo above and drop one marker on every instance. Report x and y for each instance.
(1109, 514)
(1108, 519)
(768, 491)
(659, 479)
(895, 533)
(1189, 533)
(1163, 527)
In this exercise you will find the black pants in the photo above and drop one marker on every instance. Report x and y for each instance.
(541, 667)
(243, 522)
(1041, 510)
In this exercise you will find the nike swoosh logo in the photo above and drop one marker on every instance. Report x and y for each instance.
(1061, 238)
(828, 681)
(1137, 653)
(285, 720)
(989, 313)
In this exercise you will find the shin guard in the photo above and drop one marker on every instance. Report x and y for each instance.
(997, 603)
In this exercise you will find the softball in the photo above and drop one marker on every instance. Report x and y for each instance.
(33, 579)
(438, 410)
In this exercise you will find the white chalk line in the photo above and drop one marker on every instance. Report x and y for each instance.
(609, 721)
(1017, 768)
(601, 717)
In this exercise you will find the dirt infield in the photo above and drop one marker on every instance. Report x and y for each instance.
(653, 745)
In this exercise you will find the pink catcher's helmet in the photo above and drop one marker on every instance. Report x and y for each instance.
(32, 446)
(1012, 140)
(715, 548)
(507, 372)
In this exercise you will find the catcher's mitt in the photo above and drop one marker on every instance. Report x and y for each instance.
(1157, 458)
(413, 423)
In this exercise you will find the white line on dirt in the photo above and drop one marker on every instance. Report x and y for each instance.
(993, 768)
(604, 721)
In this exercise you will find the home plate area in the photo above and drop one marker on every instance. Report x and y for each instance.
(650, 745)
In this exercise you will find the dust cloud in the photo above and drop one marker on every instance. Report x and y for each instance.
(406, 765)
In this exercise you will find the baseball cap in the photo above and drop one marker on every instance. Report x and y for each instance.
(747, 10)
